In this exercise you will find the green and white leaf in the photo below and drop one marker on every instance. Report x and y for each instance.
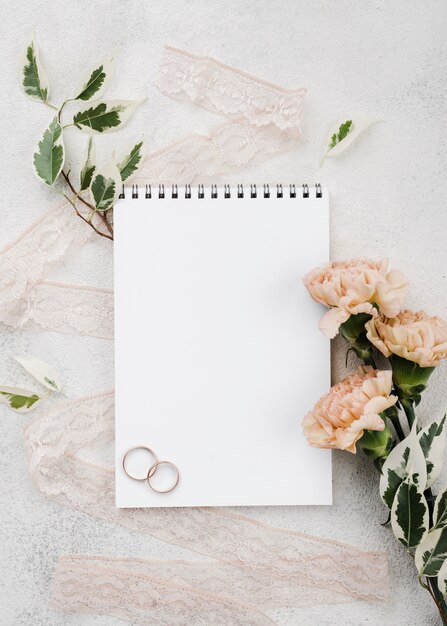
(34, 79)
(105, 117)
(405, 456)
(409, 513)
(431, 553)
(440, 510)
(18, 399)
(49, 155)
(42, 372)
(106, 187)
(131, 162)
(432, 440)
(96, 81)
(344, 133)
(442, 579)
(89, 167)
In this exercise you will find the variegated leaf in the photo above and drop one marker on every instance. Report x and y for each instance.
(95, 81)
(409, 513)
(440, 510)
(49, 156)
(431, 553)
(442, 579)
(42, 372)
(89, 166)
(105, 187)
(432, 440)
(343, 133)
(131, 162)
(34, 79)
(105, 117)
(407, 454)
(18, 399)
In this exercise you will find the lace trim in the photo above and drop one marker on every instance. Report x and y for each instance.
(139, 593)
(228, 91)
(266, 120)
(205, 158)
(223, 579)
(53, 443)
(27, 260)
(69, 309)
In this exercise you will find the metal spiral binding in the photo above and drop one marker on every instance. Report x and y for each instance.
(214, 191)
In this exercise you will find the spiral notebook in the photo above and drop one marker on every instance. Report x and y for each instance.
(218, 355)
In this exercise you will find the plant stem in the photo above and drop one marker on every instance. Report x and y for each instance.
(62, 107)
(52, 106)
(85, 219)
(409, 411)
(398, 428)
(431, 583)
(438, 599)
(90, 206)
(370, 361)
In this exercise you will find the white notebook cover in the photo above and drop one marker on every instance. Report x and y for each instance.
(218, 355)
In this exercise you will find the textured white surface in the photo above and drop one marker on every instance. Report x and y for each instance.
(388, 198)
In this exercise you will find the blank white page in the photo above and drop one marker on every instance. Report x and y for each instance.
(218, 355)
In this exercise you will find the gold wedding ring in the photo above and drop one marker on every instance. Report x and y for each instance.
(152, 470)
(151, 452)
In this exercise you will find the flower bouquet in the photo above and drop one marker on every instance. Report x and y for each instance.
(373, 410)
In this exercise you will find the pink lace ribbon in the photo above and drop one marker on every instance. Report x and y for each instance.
(268, 566)
(290, 568)
(264, 120)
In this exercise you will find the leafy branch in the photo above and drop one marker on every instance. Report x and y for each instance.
(101, 183)
(409, 465)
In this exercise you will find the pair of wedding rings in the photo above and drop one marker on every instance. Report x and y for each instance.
(152, 470)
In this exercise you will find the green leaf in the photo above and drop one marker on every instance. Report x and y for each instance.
(431, 553)
(131, 162)
(440, 510)
(50, 154)
(105, 187)
(432, 440)
(89, 166)
(21, 400)
(34, 79)
(96, 80)
(344, 129)
(405, 457)
(409, 513)
(105, 116)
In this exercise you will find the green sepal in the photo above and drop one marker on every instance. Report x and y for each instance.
(410, 379)
(353, 330)
(376, 444)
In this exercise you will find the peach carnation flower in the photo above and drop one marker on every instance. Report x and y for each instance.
(414, 336)
(352, 406)
(352, 287)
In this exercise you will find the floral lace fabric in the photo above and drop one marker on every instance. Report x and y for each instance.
(289, 568)
(264, 120)
(254, 567)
